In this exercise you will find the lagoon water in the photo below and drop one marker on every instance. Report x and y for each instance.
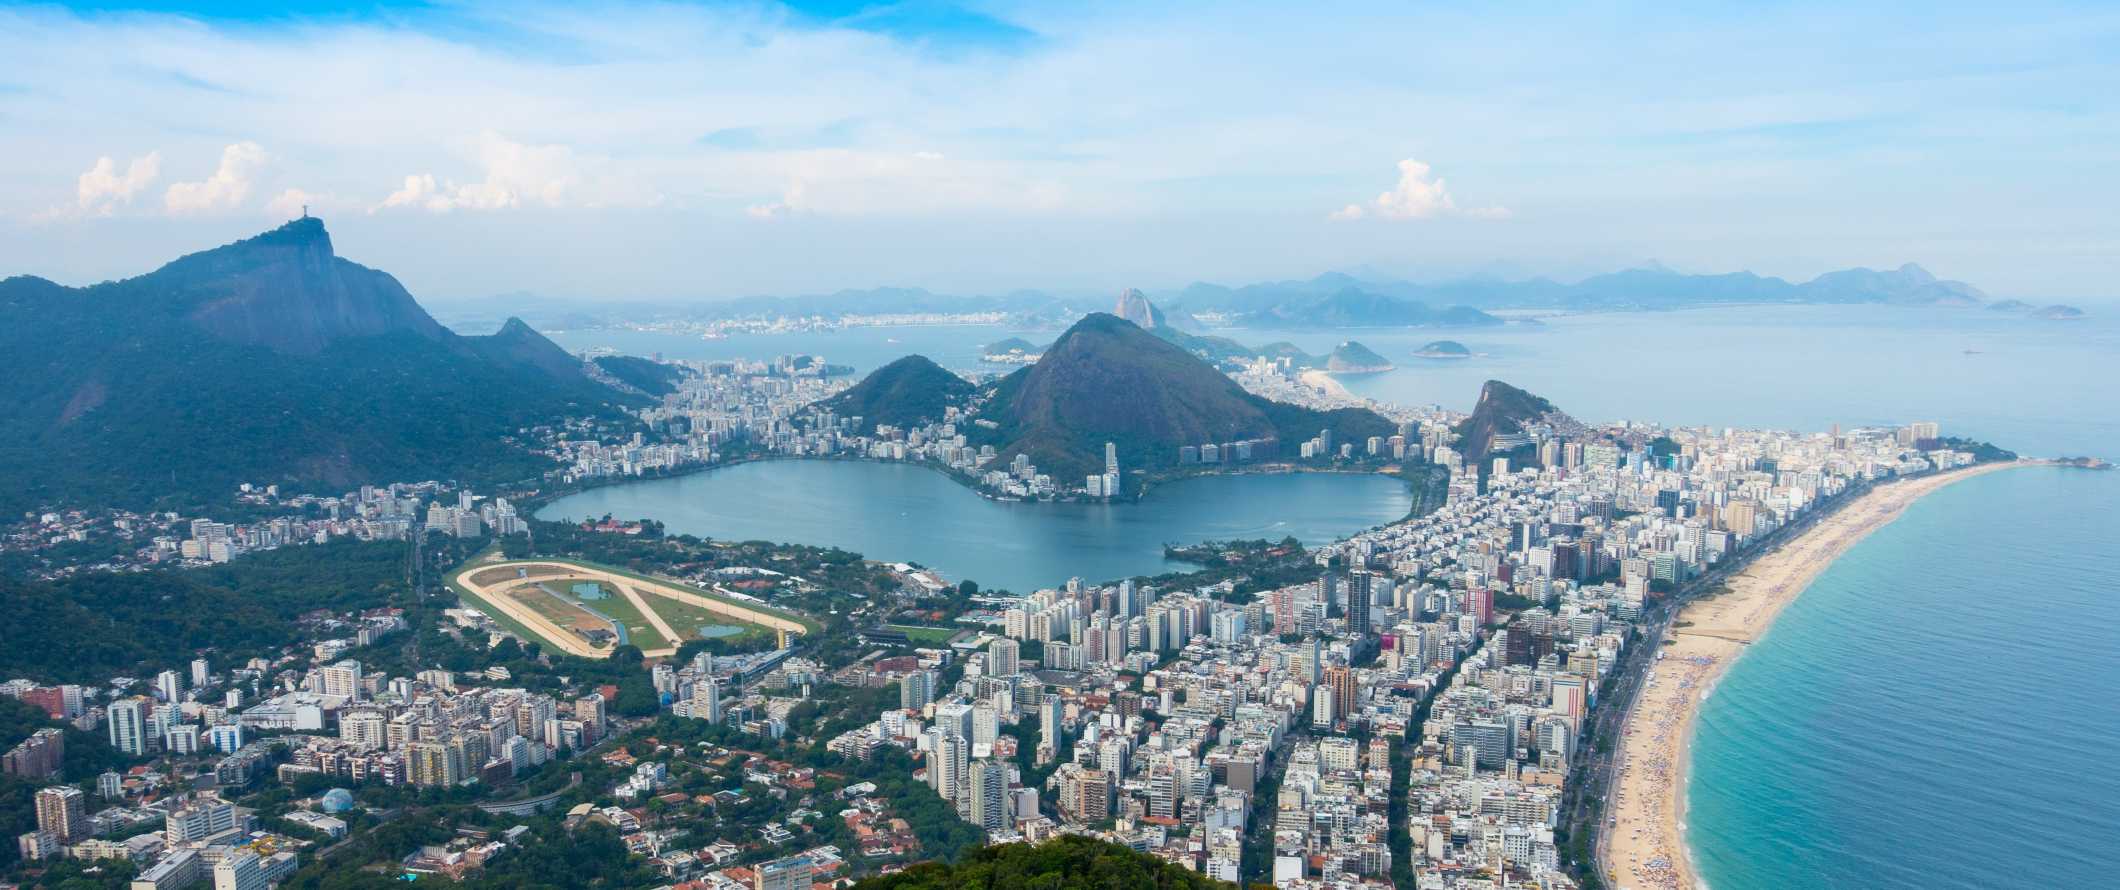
(905, 512)
(1933, 712)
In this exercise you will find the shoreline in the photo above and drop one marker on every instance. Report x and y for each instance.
(1647, 842)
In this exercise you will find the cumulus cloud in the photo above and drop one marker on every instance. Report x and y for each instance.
(790, 201)
(516, 174)
(1418, 195)
(228, 187)
(295, 202)
(102, 189)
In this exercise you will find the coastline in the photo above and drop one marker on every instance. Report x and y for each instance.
(1646, 843)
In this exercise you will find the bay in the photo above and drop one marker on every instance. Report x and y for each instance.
(1930, 713)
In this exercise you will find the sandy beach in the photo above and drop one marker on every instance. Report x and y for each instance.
(1645, 845)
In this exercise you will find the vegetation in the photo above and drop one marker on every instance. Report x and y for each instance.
(266, 361)
(87, 754)
(1063, 863)
(647, 375)
(1983, 452)
(1354, 357)
(911, 391)
(1502, 410)
(1106, 380)
(91, 626)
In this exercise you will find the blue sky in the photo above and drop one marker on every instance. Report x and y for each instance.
(707, 150)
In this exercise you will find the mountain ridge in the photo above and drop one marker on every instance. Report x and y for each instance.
(268, 360)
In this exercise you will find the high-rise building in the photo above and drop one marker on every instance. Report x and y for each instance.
(199, 673)
(706, 699)
(988, 790)
(915, 690)
(1002, 657)
(1360, 589)
(240, 870)
(128, 726)
(792, 873)
(36, 757)
(1340, 681)
(170, 686)
(63, 811)
(342, 679)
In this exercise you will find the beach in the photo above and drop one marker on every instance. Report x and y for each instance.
(1644, 847)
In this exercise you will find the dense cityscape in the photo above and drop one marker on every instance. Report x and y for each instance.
(1409, 706)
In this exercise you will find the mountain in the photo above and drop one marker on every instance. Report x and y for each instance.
(1354, 358)
(1503, 411)
(648, 376)
(1107, 380)
(1067, 862)
(1327, 301)
(911, 391)
(270, 360)
(1336, 299)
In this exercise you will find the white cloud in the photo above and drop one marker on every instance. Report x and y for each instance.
(790, 201)
(295, 202)
(517, 174)
(1418, 195)
(228, 187)
(101, 189)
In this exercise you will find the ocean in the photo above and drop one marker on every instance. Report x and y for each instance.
(1934, 712)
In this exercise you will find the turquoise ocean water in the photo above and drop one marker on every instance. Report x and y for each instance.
(1938, 710)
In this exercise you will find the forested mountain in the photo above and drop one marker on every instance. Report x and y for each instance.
(908, 392)
(1105, 380)
(271, 360)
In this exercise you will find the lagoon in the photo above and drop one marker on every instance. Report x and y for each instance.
(909, 513)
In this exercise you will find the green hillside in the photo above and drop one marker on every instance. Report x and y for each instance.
(908, 392)
(1069, 862)
(1107, 380)
(270, 360)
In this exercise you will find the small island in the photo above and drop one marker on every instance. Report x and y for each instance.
(1354, 358)
(2053, 312)
(1444, 349)
(1012, 351)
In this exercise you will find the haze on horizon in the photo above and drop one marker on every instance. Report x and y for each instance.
(626, 151)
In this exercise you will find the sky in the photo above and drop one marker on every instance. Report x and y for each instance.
(703, 150)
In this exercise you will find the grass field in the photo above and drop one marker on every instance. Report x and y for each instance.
(559, 609)
(926, 636)
(687, 619)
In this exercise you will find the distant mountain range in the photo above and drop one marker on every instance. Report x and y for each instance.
(270, 360)
(1339, 299)
(1104, 380)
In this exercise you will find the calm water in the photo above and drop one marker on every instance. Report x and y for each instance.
(910, 513)
(953, 346)
(1934, 712)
